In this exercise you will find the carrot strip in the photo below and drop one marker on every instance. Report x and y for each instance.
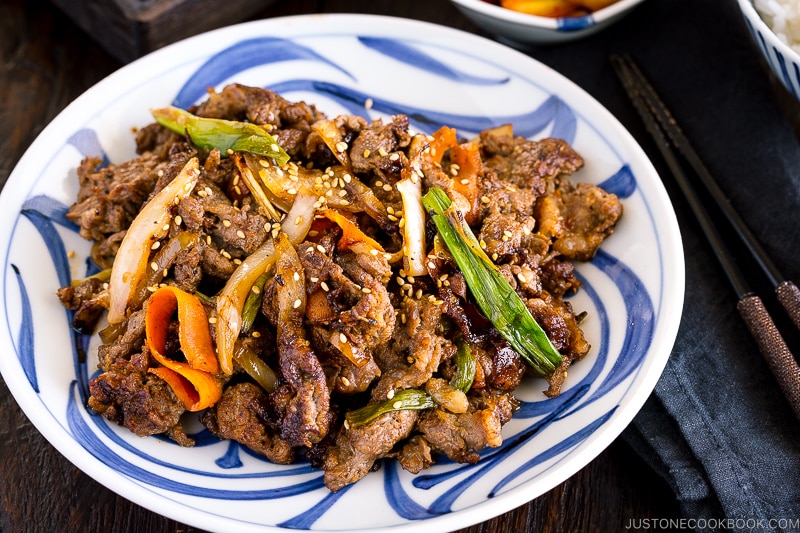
(351, 233)
(443, 139)
(470, 168)
(194, 382)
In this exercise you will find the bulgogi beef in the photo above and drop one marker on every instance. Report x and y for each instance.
(341, 320)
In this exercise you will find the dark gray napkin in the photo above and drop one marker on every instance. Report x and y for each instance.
(717, 427)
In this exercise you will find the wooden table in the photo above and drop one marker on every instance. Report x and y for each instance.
(46, 62)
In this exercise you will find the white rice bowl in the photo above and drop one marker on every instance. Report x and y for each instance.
(783, 17)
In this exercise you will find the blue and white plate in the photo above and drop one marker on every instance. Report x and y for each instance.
(376, 67)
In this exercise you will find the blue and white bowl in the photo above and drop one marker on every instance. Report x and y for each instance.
(782, 59)
(373, 66)
(531, 29)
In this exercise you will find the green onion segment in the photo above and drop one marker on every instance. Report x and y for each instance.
(493, 294)
(225, 135)
(408, 399)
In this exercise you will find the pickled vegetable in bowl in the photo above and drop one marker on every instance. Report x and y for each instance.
(553, 8)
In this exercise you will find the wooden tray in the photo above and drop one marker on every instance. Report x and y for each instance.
(129, 29)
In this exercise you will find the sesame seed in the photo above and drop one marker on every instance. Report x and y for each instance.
(324, 286)
(374, 252)
(485, 199)
(342, 337)
(341, 146)
(240, 234)
(208, 239)
(342, 193)
(347, 178)
(394, 157)
(522, 277)
(256, 334)
(400, 281)
(346, 424)
(345, 381)
(212, 320)
(292, 191)
(178, 220)
(165, 227)
(382, 151)
(366, 153)
(154, 266)
(368, 103)
(494, 256)
(296, 276)
(344, 202)
(392, 218)
(320, 249)
(508, 233)
(483, 244)
(465, 182)
(366, 290)
(397, 405)
(298, 220)
(225, 254)
(226, 223)
(390, 394)
(314, 279)
(297, 303)
(153, 246)
(275, 148)
(255, 290)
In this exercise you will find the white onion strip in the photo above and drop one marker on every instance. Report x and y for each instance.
(152, 223)
(230, 302)
(413, 227)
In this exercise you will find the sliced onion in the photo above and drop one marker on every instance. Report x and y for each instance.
(230, 302)
(151, 224)
(333, 139)
(414, 227)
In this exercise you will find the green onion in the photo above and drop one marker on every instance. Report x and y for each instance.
(408, 399)
(494, 296)
(256, 368)
(103, 275)
(253, 302)
(225, 135)
(465, 368)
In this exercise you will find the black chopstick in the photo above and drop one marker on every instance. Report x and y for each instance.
(787, 292)
(667, 134)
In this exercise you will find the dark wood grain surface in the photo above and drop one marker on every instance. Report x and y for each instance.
(45, 62)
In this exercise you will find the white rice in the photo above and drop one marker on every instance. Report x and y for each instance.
(783, 16)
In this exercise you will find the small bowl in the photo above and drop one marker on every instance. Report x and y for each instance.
(532, 29)
(781, 58)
